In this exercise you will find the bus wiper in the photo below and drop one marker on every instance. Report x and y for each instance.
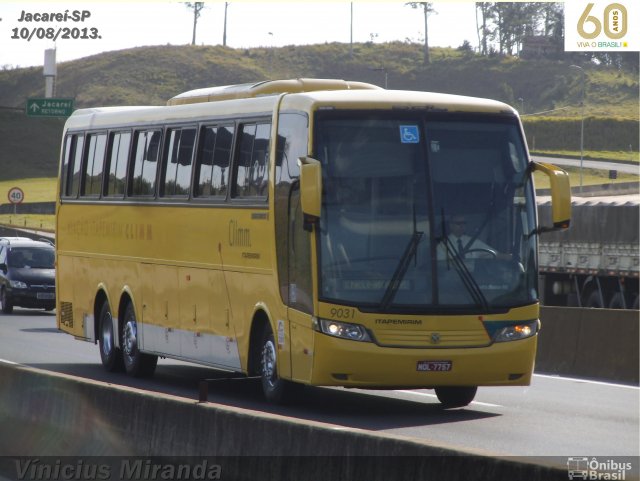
(403, 265)
(401, 270)
(467, 278)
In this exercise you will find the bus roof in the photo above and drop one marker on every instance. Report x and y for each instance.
(393, 99)
(300, 94)
(334, 92)
(269, 87)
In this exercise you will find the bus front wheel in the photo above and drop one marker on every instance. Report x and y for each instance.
(110, 355)
(456, 396)
(136, 363)
(276, 389)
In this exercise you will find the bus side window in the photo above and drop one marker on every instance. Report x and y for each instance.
(145, 162)
(214, 157)
(71, 165)
(252, 164)
(93, 165)
(177, 165)
(293, 246)
(117, 163)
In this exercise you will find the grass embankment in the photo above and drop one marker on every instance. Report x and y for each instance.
(35, 190)
(607, 155)
(45, 223)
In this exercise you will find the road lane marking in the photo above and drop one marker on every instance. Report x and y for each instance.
(587, 381)
(426, 394)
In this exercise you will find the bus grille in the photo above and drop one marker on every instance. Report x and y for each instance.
(66, 314)
(432, 339)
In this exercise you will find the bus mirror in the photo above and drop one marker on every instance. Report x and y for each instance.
(310, 187)
(560, 195)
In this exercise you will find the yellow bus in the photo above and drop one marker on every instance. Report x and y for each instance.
(303, 231)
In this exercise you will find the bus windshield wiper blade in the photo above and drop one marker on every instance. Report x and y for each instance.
(401, 269)
(467, 278)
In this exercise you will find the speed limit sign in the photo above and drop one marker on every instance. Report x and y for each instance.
(15, 195)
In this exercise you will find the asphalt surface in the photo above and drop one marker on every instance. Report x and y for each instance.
(554, 417)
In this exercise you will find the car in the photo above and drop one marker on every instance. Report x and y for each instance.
(27, 274)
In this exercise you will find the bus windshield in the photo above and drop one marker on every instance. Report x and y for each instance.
(425, 211)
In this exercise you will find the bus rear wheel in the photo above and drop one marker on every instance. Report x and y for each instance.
(456, 396)
(110, 355)
(136, 363)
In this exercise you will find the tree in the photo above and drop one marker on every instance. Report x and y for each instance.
(196, 7)
(427, 8)
(484, 9)
(510, 23)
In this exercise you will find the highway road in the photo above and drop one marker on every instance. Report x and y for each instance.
(554, 416)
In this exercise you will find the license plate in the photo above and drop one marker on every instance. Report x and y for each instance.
(438, 366)
(46, 295)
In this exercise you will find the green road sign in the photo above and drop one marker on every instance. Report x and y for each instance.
(49, 107)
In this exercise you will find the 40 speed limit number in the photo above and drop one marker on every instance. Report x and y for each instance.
(15, 195)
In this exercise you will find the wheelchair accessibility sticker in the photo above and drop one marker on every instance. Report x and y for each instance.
(409, 134)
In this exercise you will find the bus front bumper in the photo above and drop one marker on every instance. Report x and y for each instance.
(339, 362)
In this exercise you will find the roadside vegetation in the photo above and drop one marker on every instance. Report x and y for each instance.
(604, 155)
(37, 222)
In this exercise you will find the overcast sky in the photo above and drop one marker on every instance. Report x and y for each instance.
(249, 24)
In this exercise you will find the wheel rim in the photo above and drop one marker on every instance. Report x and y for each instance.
(269, 371)
(129, 341)
(107, 334)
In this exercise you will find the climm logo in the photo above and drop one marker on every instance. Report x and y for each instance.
(239, 236)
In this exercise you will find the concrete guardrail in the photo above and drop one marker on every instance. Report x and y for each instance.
(49, 414)
(593, 343)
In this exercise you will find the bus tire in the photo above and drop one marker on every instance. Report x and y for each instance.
(617, 301)
(7, 307)
(594, 301)
(275, 389)
(110, 355)
(456, 396)
(136, 363)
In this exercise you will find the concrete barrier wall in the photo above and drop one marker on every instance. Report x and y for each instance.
(29, 208)
(49, 414)
(594, 343)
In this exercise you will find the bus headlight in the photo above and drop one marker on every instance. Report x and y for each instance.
(343, 330)
(516, 332)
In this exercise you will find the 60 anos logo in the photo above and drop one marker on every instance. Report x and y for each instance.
(601, 25)
(614, 22)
